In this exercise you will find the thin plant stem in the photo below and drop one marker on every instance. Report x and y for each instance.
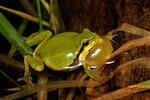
(39, 15)
(9, 78)
(41, 95)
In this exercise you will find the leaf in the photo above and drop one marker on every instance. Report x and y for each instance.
(10, 33)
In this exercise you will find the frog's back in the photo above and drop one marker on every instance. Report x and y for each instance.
(59, 51)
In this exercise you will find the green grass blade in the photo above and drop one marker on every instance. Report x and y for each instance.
(10, 33)
(39, 15)
(62, 26)
(55, 17)
(144, 84)
(46, 5)
(21, 29)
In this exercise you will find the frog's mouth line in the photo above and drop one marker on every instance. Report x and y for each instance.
(73, 67)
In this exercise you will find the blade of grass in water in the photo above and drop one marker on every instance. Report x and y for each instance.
(10, 33)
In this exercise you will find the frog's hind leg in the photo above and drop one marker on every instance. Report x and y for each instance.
(35, 64)
(36, 39)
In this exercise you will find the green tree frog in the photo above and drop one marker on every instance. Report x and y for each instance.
(68, 50)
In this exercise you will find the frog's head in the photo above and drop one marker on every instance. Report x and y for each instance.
(89, 41)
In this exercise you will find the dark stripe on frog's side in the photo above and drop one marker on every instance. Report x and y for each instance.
(76, 63)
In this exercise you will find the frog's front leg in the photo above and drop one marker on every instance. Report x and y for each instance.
(90, 72)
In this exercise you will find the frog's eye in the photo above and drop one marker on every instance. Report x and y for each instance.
(85, 43)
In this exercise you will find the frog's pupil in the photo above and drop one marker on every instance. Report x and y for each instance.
(85, 43)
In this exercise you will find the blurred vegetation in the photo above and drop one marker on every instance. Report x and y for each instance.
(37, 16)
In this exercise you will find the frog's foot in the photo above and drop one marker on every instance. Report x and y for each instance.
(27, 79)
(91, 73)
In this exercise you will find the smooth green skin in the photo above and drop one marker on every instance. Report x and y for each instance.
(59, 51)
